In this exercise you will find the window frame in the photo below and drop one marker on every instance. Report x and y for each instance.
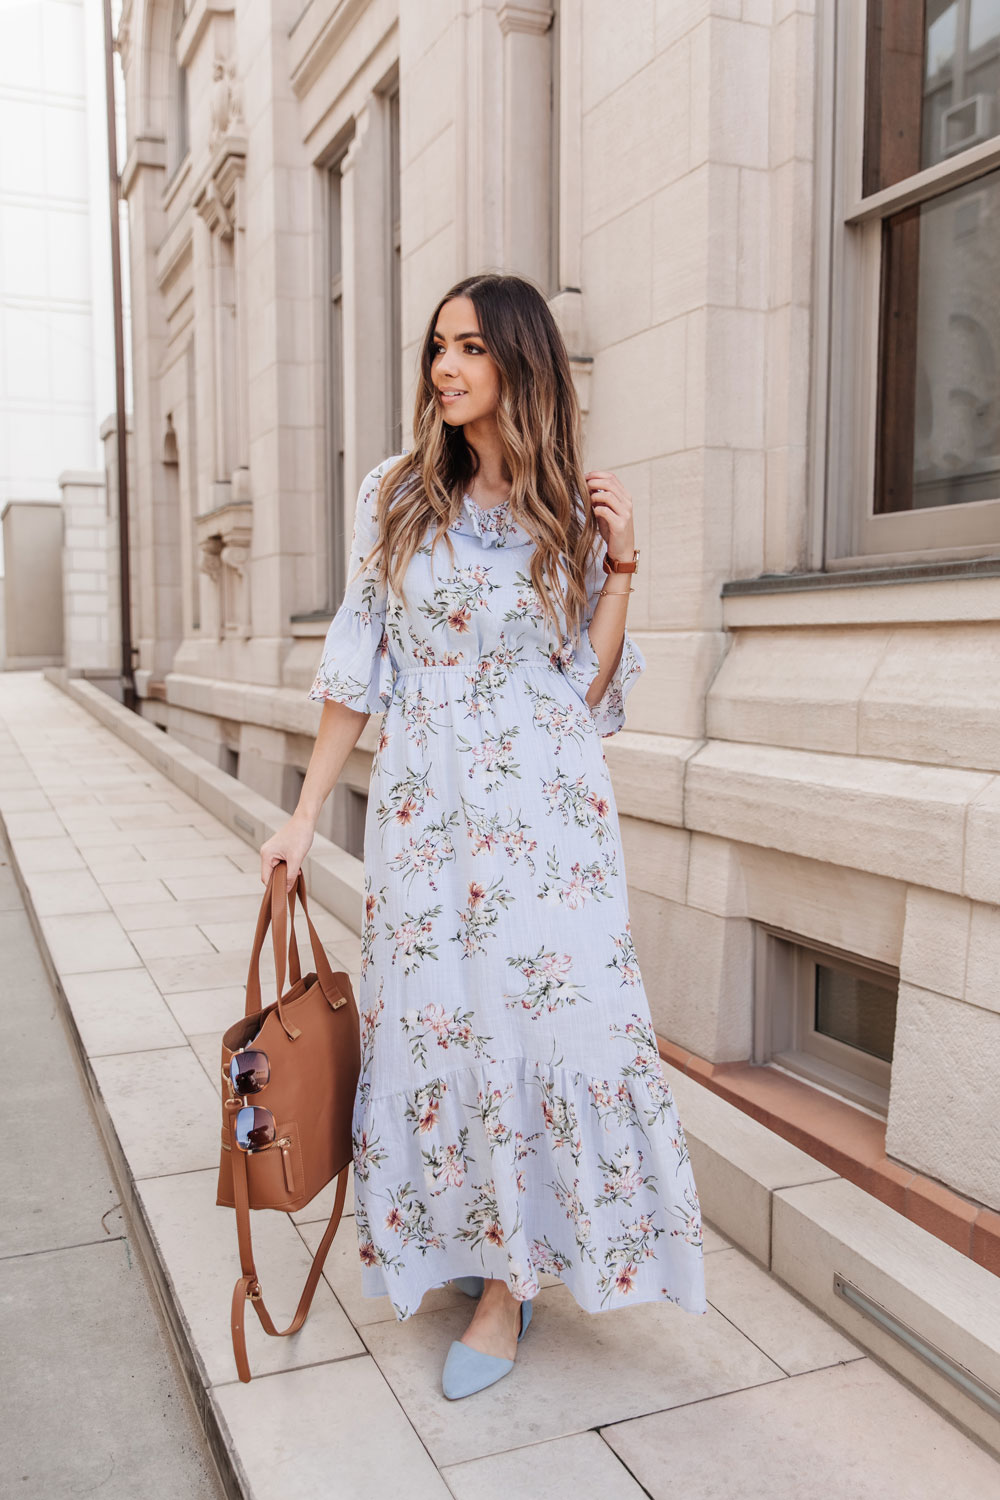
(338, 523)
(784, 1035)
(846, 352)
(178, 132)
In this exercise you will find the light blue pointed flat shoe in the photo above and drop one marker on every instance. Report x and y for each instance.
(472, 1286)
(467, 1370)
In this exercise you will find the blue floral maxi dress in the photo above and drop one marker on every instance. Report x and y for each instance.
(511, 1117)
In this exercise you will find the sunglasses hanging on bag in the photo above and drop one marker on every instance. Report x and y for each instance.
(302, 1053)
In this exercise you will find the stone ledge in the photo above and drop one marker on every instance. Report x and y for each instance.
(912, 601)
(852, 1144)
(823, 1228)
(904, 821)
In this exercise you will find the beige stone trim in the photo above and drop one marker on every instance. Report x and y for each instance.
(147, 151)
(937, 601)
(200, 13)
(315, 38)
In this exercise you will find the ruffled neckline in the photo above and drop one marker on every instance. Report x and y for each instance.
(495, 526)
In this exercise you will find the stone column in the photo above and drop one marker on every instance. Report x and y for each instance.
(86, 643)
(527, 139)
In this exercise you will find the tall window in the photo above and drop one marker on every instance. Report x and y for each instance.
(555, 136)
(918, 419)
(339, 542)
(394, 361)
(177, 133)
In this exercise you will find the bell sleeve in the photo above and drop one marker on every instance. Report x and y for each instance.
(580, 663)
(356, 668)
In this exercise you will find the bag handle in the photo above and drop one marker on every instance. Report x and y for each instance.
(324, 972)
(247, 1287)
(273, 914)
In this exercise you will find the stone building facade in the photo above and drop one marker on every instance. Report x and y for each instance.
(785, 344)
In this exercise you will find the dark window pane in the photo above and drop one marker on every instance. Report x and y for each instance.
(939, 389)
(858, 1012)
(932, 84)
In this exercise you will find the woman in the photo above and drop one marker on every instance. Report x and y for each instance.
(512, 1118)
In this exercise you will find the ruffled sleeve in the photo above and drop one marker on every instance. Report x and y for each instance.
(580, 664)
(356, 668)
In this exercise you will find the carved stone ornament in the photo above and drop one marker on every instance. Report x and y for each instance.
(224, 546)
(225, 100)
(216, 200)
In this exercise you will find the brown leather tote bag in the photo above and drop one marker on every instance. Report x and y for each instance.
(311, 1038)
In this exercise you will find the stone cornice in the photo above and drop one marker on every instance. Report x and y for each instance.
(315, 38)
(145, 151)
(195, 23)
(530, 18)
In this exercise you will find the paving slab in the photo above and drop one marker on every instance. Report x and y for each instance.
(329, 1430)
(164, 1110)
(145, 915)
(851, 1432)
(133, 892)
(65, 892)
(164, 942)
(783, 1325)
(87, 943)
(120, 1010)
(569, 1468)
(215, 1010)
(53, 852)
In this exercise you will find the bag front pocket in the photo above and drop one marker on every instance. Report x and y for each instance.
(275, 1176)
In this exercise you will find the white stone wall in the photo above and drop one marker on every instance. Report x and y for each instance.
(87, 645)
(824, 762)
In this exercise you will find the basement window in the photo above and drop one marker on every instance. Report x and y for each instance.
(825, 1015)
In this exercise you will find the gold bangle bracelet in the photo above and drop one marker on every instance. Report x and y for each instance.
(615, 593)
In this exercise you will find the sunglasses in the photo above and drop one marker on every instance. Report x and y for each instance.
(248, 1073)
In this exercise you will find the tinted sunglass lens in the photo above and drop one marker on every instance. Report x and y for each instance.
(254, 1128)
(249, 1071)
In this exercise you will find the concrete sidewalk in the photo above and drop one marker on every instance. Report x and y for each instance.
(146, 904)
(82, 1333)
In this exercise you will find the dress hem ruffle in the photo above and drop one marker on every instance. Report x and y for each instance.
(372, 1288)
(481, 1183)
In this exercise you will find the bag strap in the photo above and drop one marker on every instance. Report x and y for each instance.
(248, 1287)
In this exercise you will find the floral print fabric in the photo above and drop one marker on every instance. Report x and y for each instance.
(512, 1118)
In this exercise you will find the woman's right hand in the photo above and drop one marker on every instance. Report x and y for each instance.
(291, 843)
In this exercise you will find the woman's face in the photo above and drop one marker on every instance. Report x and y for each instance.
(460, 362)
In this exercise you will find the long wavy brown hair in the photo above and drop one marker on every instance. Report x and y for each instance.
(538, 417)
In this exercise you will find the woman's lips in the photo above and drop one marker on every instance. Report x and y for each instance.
(448, 399)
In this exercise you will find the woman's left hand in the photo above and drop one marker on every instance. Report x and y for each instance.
(612, 506)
